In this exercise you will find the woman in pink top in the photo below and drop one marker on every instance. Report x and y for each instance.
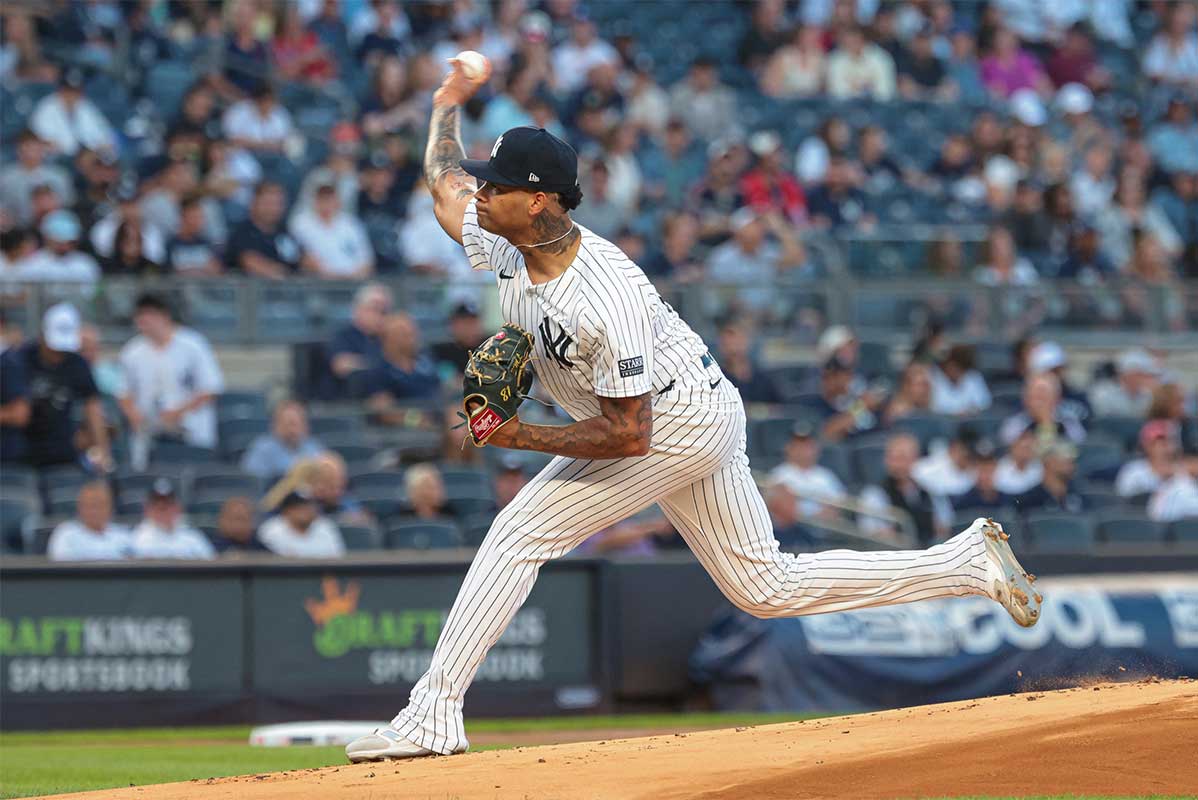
(1008, 68)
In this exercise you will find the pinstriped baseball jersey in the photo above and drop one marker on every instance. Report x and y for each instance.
(601, 328)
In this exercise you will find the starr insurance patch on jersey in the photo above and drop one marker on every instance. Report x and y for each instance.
(632, 366)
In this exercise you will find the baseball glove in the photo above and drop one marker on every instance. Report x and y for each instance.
(498, 378)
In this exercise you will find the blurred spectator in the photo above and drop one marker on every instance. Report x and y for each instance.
(858, 68)
(57, 378)
(1086, 263)
(106, 372)
(246, 61)
(508, 109)
(190, 253)
(964, 70)
(768, 187)
(298, 54)
(1161, 446)
(382, 199)
(161, 206)
(739, 365)
(1056, 490)
(789, 530)
(271, 455)
(1020, 469)
(984, 494)
(22, 57)
(357, 346)
(1092, 185)
(837, 202)
(574, 59)
(601, 213)
(333, 242)
(1130, 394)
(703, 103)
(879, 171)
(299, 531)
(1074, 61)
(803, 475)
(1043, 414)
(1004, 266)
(1051, 357)
(14, 404)
(1008, 68)
(128, 258)
(393, 104)
(405, 372)
(677, 258)
(340, 170)
(327, 478)
(18, 179)
(91, 535)
(1129, 211)
(66, 120)
(798, 68)
(716, 195)
(672, 168)
(766, 33)
(844, 411)
(235, 528)
(899, 490)
(172, 379)
(60, 260)
(949, 470)
(754, 262)
(508, 479)
(426, 250)
(648, 103)
(1178, 497)
(231, 176)
(1172, 56)
(832, 139)
(258, 124)
(914, 395)
(921, 75)
(625, 180)
(1173, 141)
(383, 31)
(128, 208)
(425, 492)
(163, 533)
(465, 334)
(957, 387)
(259, 247)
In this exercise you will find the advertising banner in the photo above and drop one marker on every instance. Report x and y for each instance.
(947, 650)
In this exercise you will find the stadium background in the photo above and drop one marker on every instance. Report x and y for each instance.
(842, 225)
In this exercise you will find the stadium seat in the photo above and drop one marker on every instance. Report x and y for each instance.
(1184, 530)
(41, 538)
(14, 515)
(466, 482)
(382, 504)
(837, 458)
(240, 405)
(423, 536)
(15, 478)
(475, 528)
(331, 426)
(206, 506)
(354, 453)
(868, 458)
(1099, 454)
(767, 439)
(926, 427)
(1056, 532)
(1124, 526)
(169, 452)
(463, 507)
(1123, 430)
(60, 500)
(228, 483)
(360, 537)
(376, 481)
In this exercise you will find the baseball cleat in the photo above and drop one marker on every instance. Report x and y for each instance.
(383, 744)
(1010, 584)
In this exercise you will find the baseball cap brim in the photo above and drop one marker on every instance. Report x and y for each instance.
(482, 169)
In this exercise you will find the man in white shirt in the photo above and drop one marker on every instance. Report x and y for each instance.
(1130, 395)
(59, 261)
(69, 121)
(1177, 498)
(706, 105)
(163, 533)
(298, 530)
(425, 249)
(18, 180)
(1019, 470)
(171, 377)
(334, 243)
(949, 471)
(957, 388)
(860, 69)
(92, 535)
(1161, 443)
(572, 60)
(259, 123)
(804, 477)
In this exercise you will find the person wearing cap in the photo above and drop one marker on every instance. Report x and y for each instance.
(859, 68)
(1043, 413)
(30, 169)
(703, 103)
(189, 252)
(1050, 357)
(1160, 443)
(58, 378)
(1057, 490)
(163, 533)
(298, 530)
(465, 334)
(807, 479)
(844, 410)
(172, 377)
(767, 187)
(381, 197)
(60, 260)
(66, 120)
(1137, 375)
(958, 389)
(91, 535)
(259, 247)
(508, 478)
(333, 242)
(762, 250)
(984, 494)
(949, 470)
(271, 455)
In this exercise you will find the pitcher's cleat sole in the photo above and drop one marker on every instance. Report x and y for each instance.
(1012, 585)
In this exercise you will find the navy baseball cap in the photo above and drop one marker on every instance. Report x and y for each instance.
(529, 158)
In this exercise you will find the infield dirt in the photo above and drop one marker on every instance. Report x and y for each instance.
(1106, 740)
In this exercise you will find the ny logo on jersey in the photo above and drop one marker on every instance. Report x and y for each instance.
(556, 346)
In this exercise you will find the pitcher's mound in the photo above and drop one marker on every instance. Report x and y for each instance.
(1110, 739)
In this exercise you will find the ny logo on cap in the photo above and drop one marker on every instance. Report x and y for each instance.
(498, 142)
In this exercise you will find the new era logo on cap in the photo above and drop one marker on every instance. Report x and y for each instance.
(532, 176)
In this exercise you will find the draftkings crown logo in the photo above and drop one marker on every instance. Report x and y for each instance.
(334, 602)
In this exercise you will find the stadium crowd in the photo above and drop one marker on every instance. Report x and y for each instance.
(271, 140)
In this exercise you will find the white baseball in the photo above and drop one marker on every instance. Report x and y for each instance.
(473, 64)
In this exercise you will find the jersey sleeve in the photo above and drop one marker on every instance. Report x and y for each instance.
(479, 244)
(624, 347)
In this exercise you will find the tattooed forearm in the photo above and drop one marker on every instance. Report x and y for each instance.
(444, 151)
(624, 429)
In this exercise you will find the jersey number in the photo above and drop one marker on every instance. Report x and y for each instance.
(556, 346)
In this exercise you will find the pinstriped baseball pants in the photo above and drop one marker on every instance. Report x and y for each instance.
(697, 471)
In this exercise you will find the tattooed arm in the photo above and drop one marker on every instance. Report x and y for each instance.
(623, 428)
(449, 184)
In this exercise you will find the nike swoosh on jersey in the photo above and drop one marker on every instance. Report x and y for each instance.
(716, 383)
(506, 277)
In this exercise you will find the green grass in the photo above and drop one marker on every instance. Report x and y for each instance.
(37, 762)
